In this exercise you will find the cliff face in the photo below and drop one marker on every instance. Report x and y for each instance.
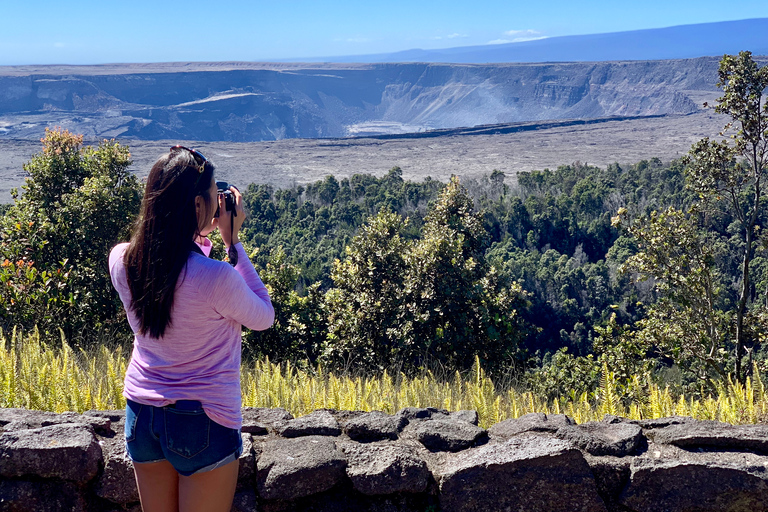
(250, 102)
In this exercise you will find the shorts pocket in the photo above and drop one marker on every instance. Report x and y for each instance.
(187, 433)
(132, 411)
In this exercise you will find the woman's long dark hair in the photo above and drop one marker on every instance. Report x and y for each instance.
(163, 236)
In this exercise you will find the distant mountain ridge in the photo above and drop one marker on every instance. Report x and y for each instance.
(678, 42)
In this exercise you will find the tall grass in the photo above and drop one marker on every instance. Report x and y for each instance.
(34, 375)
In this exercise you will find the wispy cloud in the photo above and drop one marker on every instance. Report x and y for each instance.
(455, 35)
(522, 33)
(59, 45)
(518, 36)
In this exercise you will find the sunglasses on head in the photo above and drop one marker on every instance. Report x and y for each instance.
(198, 156)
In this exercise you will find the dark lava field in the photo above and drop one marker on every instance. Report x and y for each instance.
(466, 153)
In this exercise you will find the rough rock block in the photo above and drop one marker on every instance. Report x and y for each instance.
(69, 452)
(528, 472)
(47, 496)
(598, 438)
(344, 417)
(117, 483)
(708, 482)
(465, 415)
(101, 424)
(114, 415)
(532, 422)
(374, 426)
(611, 476)
(245, 501)
(385, 468)
(22, 419)
(247, 464)
(34, 419)
(116, 418)
(257, 420)
(662, 422)
(316, 423)
(448, 435)
(422, 413)
(291, 468)
(713, 434)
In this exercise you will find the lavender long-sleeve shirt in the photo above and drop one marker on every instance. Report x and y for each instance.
(198, 357)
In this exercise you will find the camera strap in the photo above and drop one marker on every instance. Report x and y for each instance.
(232, 252)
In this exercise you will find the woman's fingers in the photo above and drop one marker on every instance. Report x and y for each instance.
(238, 200)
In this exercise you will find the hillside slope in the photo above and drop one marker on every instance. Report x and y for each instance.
(678, 42)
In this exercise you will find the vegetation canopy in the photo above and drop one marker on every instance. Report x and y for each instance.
(579, 284)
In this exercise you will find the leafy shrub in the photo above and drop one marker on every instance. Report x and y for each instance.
(76, 204)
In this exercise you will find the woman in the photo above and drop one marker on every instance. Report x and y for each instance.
(182, 386)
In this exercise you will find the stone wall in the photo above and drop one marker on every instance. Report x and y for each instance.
(418, 460)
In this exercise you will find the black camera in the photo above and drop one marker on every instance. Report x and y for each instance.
(229, 197)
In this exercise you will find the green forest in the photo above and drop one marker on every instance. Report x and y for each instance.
(657, 270)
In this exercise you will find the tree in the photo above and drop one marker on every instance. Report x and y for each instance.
(730, 174)
(688, 324)
(689, 254)
(76, 204)
(430, 300)
(462, 307)
(367, 310)
(299, 329)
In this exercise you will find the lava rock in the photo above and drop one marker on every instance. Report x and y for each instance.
(598, 438)
(465, 415)
(33, 419)
(245, 501)
(704, 482)
(48, 496)
(422, 413)
(385, 468)
(102, 425)
(113, 415)
(532, 422)
(69, 452)
(344, 417)
(292, 468)
(23, 419)
(663, 422)
(374, 426)
(528, 472)
(714, 435)
(117, 482)
(247, 464)
(612, 419)
(316, 423)
(611, 477)
(257, 420)
(448, 435)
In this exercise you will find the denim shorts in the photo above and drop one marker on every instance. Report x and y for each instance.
(180, 433)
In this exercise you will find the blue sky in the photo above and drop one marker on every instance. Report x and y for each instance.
(92, 32)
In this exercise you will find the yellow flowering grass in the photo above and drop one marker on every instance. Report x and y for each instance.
(34, 375)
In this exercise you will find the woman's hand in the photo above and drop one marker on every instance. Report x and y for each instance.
(229, 229)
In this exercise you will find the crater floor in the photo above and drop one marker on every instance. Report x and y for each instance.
(465, 153)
